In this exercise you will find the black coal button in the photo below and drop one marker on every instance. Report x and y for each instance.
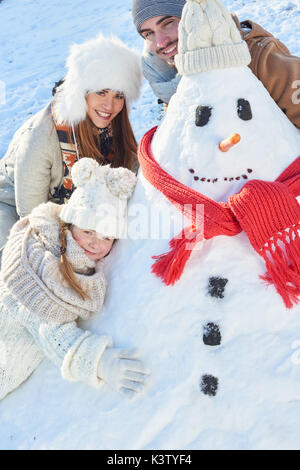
(216, 286)
(209, 385)
(211, 334)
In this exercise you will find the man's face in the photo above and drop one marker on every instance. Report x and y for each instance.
(161, 36)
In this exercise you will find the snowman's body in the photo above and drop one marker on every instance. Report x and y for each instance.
(222, 347)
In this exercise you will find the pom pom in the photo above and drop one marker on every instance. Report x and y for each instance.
(121, 182)
(84, 172)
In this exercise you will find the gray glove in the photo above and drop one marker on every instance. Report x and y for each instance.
(122, 370)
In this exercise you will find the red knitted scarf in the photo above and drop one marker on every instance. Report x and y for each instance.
(268, 212)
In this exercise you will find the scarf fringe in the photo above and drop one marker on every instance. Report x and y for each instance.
(169, 266)
(282, 258)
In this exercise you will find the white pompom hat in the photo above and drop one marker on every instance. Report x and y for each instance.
(99, 201)
(97, 64)
(208, 39)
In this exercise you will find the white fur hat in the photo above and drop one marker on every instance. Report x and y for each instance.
(208, 39)
(99, 201)
(93, 66)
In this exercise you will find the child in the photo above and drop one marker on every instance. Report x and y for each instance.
(52, 274)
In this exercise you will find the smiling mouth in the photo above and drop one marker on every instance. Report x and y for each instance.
(90, 252)
(102, 115)
(169, 50)
(225, 178)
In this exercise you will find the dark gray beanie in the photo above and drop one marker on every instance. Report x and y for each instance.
(142, 10)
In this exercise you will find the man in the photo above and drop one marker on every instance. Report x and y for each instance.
(157, 22)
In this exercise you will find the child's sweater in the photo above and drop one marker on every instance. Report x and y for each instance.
(38, 310)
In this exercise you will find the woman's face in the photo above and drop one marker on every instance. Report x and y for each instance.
(104, 106)
(94, 246)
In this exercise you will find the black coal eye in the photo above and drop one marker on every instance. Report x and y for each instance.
(244, 109)
(203, 114)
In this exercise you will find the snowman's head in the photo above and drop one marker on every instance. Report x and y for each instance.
(193, 141)
(221, 128)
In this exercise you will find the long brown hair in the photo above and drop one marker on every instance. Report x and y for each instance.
(65, 266)
(124, 142)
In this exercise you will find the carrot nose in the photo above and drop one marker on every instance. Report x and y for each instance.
(226, 144)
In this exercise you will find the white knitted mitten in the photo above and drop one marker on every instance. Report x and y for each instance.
(122, 370)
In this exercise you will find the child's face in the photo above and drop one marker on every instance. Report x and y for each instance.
(94, 246)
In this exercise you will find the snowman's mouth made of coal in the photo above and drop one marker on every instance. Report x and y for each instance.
(228, 179)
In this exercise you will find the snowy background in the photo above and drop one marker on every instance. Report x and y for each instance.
(35, 37)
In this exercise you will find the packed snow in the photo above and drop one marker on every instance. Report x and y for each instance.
(164, 323)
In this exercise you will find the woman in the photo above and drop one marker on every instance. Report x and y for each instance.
(88, 117)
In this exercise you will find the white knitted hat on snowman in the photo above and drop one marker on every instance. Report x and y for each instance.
(97, 64)
(208, 39)
(99, 201)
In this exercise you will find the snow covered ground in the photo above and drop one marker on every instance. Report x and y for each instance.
(35, 36)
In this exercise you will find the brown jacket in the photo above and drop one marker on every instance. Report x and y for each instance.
(275, 67)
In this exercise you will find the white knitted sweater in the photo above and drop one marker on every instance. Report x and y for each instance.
(37, 308)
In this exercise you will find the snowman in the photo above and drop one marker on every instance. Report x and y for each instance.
(223, 130)
(219, 320)
(213, 305)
